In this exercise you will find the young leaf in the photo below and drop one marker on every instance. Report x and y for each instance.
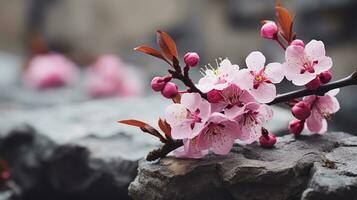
(177, 98)
(167, 45)
(285, 22)
(144, 127)
(133, 122)
(165, 127)
(150, 51)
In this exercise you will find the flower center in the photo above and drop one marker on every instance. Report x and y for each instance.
(214, 129)
(308, 67)
(259, 78)
(193, 117)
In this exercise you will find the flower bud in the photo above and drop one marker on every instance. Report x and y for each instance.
(269, 30)
(267, 141)
(314, 84)
(158, 83)
(214, 96)
(325, 77)
(298, 42)
(170, 90)
(296, 126)
(301, 110)
(191, 59)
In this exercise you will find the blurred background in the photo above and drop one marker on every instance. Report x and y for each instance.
(83, 30)
(103, 80)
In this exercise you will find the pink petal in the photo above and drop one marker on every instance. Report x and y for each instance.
(328, 104)
(314, 122)
(191, 101)
(250, 133)
(291, 70)
(324, 64)
(255, 61)
(234, 112)
(294, 55)
(228, 70)
(246, 97)
(205, 110)
(181, 131)
(265, 93)
(303, 79)
(244, 79)
(324, 127)
(315, 50)
(222, 144)
(333, 92)
(189, 150)
(265, 113)
(274, 72)
(175, 114)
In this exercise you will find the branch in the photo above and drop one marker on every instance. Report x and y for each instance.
(349, 80)
(187, 81)
(164, 150)
(168, 147)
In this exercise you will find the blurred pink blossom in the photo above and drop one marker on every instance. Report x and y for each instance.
(108, 76)
(49, 70)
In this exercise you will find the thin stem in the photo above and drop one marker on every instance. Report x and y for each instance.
(276, 38)
(350, 80)
(187, 81)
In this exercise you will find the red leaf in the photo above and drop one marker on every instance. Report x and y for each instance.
(133, 122)
(177, 98)
(144, 127)
(165, 127)
(167, 45)
(150, 51)
(285, 22)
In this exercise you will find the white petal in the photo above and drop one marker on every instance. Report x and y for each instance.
(275, 72)
(255, 61)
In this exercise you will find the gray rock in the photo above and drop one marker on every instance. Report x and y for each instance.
(251, 172)
(83, 169)
(337, 177)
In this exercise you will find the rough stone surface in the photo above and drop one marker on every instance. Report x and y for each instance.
(43, 169)
(308, 168)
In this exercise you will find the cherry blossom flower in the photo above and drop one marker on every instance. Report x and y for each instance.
(302, 65)
(322, 107)
(188, 118)
(49, 70)
(189, 150)
(250, 119)
(218, 78)
(108, 76)
(218, 135)
(231, 96)
(259, 78)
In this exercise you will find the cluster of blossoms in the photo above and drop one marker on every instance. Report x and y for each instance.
(232, 104)
(107, 76)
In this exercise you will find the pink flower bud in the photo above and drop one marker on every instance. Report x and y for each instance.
(314, 84)
(214, 96)
(158, 83)
(191, 59)
(296, 126)
(170, 90)
(325, 77)
(268, 30)
(267, 141)
(301, 110)
(298, 43)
